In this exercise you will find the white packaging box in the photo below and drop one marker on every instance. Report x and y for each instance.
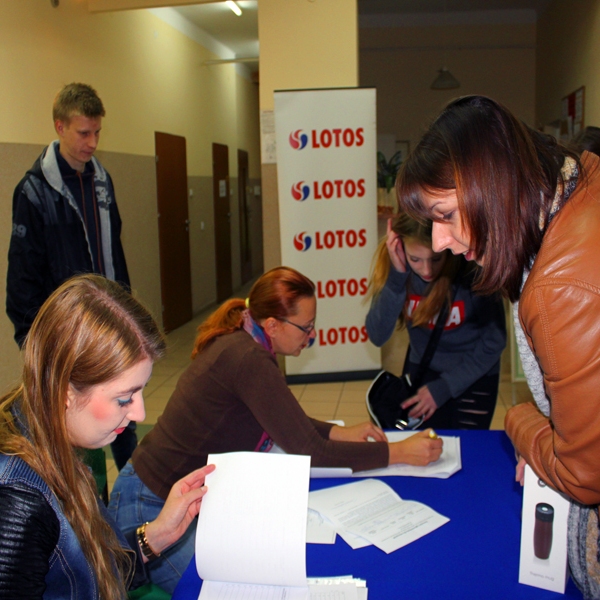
(543, 560)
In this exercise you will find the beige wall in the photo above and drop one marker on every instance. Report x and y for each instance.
(150, 77)
(568, 51)
(402, 62)
(303, 45)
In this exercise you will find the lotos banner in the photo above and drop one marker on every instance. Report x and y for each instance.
(327, 182)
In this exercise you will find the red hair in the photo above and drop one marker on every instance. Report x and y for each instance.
(275, 294)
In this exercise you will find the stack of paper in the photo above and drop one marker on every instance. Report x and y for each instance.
(370, 512)
(447, 464)
(251, 535)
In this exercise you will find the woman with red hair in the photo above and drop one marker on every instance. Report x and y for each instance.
(233, 397)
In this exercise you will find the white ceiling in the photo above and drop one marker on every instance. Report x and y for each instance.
(240, 34)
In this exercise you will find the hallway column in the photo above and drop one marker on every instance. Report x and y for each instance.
(304, 44)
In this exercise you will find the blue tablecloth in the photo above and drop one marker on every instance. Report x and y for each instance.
(475, 555)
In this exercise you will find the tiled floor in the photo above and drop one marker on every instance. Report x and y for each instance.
(343, 400)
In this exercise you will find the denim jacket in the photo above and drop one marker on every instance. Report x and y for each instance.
(69, 576)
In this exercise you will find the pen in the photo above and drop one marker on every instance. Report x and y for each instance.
(433, 435)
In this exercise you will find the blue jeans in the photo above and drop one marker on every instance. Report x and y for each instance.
(132, 504)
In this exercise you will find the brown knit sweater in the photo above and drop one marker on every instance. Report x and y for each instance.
(230, 395)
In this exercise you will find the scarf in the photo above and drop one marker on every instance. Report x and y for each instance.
(256, 332)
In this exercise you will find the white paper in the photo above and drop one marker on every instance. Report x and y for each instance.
(354, 541)
(217, 590)
(447, 464)
(318, 529)
(372, 510)
(343, 587)
(342, 591)
(252, 525)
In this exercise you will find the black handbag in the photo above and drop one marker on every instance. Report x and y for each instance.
(387, 392)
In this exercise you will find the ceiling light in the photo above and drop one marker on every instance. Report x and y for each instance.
(234, 7)
(445, 80)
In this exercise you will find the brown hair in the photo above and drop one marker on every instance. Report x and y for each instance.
(505, 175)
(275, 294)
(77, 99)
(587, 139)
(89, 331)
(438, 290)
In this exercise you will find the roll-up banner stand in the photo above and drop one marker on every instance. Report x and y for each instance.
(327, 182)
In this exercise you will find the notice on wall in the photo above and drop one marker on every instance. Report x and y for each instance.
(327, 183)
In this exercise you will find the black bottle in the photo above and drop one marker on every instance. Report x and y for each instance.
(542, 532)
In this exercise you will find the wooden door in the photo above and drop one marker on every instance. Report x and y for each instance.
(173, 230)
(245, 216)
(220, 154)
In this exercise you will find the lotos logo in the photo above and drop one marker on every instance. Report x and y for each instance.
(300, 192)
(298, 140)
(302, 241)
(326, 240)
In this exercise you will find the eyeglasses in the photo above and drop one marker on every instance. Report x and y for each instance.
(306, 330)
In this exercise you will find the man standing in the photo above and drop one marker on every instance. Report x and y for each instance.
(65, 221)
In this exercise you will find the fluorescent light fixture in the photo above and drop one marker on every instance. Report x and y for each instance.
(234, 7)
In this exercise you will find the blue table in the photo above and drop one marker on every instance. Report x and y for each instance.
(475, 555)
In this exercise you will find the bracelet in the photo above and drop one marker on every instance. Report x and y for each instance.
(143, 542)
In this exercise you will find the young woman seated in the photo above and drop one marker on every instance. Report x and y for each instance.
(87, 359)
(233, 397)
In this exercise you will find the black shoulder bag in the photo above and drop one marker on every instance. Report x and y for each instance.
(387, 392)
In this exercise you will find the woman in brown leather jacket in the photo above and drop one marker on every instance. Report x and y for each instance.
(527, 211)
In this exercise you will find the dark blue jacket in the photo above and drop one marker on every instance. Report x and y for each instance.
(470, 345)
(49, 242)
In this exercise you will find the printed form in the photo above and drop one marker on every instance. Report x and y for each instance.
(371, 510)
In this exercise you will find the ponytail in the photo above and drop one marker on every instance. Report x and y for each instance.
(275, 294)
(226, 319)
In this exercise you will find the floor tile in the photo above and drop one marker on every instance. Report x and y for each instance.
(312, 394)
(353, 397)
(297, 390)
(352, 410)
(361, 385)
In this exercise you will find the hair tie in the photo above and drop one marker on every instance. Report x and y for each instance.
(247, 302)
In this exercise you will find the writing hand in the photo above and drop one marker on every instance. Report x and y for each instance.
(419, 449)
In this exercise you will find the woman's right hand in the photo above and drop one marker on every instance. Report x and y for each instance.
(419, 449)
(181, 507)
(395, 249)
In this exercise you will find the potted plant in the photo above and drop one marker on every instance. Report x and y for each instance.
(387, 170)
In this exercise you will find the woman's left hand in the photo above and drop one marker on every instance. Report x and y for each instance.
(422, 404)
(357, 433)
(520, 471)
(181, 507)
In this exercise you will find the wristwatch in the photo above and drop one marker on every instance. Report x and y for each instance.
(143, 542)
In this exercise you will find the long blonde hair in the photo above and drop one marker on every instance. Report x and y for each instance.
(88, 332)
(438, 290)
